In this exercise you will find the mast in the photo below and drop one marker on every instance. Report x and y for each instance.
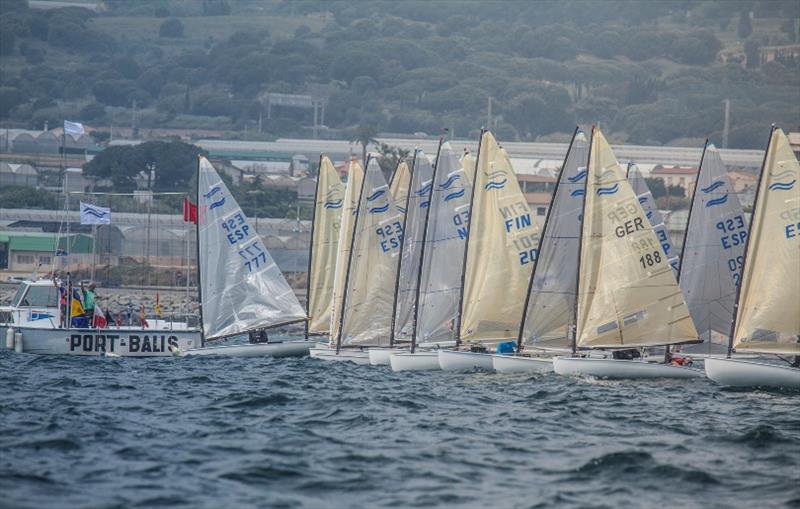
(747, 242)
(544, 232)
(350, 259)
(311, 246)
(402, 244)
(466, 242)
(422, 249)
(197, 252)
(580, 251)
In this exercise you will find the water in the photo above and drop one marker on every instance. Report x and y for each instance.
(205, 432)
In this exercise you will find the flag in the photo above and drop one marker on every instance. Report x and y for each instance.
(100, 320)
(189, 211)
(92, 214)
(77, 314)
(75, 128)
(143, 319)
(158, 306)
(61, 252)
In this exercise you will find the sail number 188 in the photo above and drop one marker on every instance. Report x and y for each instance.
(649, 259)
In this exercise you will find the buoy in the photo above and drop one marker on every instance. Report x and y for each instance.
(18, 342)
(9, 338)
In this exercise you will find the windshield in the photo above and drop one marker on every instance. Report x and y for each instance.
(18, 295)
(41, 296)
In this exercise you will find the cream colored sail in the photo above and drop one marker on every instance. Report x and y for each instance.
(768, 318)
(401, 180)
(372, 276)
(502, 246)
(324, 247)
(627, 292)
(355, 176)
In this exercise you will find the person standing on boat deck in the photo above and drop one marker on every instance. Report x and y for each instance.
(88, 302)
(62, 299)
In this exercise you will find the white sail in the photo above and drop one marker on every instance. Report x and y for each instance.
(440, 284)
(372, 274)
(399, 185)
(627, 292)
(648, 203)
(551, 303)
(417, 203)
(501, 248)
(768, 318)
(355, 177)
(328, 207)
(242, 288)
(712, 255)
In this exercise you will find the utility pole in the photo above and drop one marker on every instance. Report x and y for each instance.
(727, 126)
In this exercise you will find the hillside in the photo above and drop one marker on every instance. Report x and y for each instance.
(649, 73)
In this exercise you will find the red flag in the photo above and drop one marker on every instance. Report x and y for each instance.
(100, 320)
(189, 211)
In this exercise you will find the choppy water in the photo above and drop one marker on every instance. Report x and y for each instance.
(204, 432)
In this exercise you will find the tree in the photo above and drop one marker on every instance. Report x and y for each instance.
(364, 135)
(172, 27)
(745, 27)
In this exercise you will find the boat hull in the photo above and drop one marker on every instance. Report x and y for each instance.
(329, 354)
(519, 364)
(747, 373)
(417, 361)
(380, 356)
(451, 360)
(284, 349)
(619, 368)
(122, 342)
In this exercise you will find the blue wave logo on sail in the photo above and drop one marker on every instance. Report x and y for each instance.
(454, 195)
(499, 181)
(717, 201)
(444, 186)
(649, 215)
(337, 204)
(218, 203)
(642, 200)
(214, 190)
(377, 194)
(401, 209)
(607, 173)
(579, 176)
(607, 190)
(713, 187)
(577, 192)
(378, 210)
(425, 189)
(782, 186)
(424, 205)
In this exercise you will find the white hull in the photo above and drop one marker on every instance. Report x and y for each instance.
(380, 356)
(618, 368)
(123, 342)
(287, 349)
(519, 364)
(417, 361)
(329, 354)
(452, 360)
(742, 373)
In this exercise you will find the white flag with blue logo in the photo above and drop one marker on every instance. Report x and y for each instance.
(92, 214)
(75, 128)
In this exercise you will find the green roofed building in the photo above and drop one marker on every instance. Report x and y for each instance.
(24, 251)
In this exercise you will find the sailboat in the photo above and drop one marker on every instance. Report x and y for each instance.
(712, 254)
(369, 285)
(328, 205)
(438, 286)
(767, 313)
(648, 203)
(241, 287)
(355, 177)
(500, 249)
(549, 305)
(416, 205)
(627, 296)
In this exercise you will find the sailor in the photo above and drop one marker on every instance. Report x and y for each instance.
(258, 336)
(62, 299)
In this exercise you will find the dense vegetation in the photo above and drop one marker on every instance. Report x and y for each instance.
(648, 72)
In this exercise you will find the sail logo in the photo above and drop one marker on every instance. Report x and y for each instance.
(579, 176)
(783, 186)
(424, 204)
(401, 209)
(608, 173)
(577, 192)
(447, 184)
(497, 180)
(642, 200)
(218, 203)
(213, 192)
(454, 195)
(377, 194)
(717, 201)
(424, 190)
(601, 191)
(336, 204)
(378, 210)
(713, 187)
